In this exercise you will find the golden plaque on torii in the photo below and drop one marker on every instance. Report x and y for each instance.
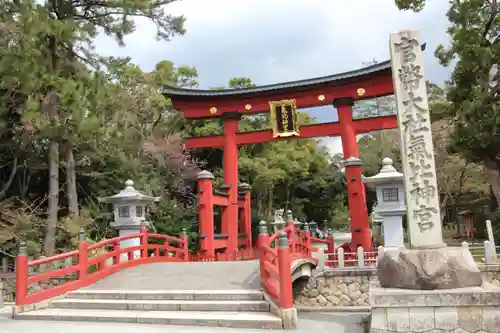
(284, 118)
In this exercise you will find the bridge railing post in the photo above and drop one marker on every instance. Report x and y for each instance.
(330, 248)
(21, 274)
(83, 258)
(291, 233)
(308, 240)
(206, 212)
(144, 242)
(263, 240)
(185, 244)
(246, 221)
(116, 250)
(285, 272)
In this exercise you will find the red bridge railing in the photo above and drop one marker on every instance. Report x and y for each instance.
(276, 255)
(91, 263)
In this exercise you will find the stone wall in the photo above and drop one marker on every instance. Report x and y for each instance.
(337, 288)
(491, 273)
(464, 310)
(7, 289)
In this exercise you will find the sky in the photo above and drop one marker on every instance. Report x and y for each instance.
(272, 41)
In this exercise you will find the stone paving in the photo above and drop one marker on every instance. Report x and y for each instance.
(310, 322)
(188, 276)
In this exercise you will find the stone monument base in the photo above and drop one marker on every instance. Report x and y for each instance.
(428, 269)
(460, 310)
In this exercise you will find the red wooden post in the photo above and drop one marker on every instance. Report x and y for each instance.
(116, 250)
(185, 245)
(230, 215)
(83, 258)
(358, 212)
(330, 248)
(144, 242)
(206, 212)
(263, 240)
(285, 272)
(308, 240)
(246, 227)
(22, 272)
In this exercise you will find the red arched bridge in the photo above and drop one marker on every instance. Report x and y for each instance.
(271, 269)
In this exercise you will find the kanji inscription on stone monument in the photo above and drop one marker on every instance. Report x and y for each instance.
(419, 169)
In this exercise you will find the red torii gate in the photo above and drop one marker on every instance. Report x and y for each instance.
(340, 89)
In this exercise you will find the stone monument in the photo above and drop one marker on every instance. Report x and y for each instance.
(129, 208)
(431, 287)
(388, 184)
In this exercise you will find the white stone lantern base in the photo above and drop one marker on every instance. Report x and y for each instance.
(131, 242)
(393, 231)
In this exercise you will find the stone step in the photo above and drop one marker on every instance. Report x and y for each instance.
(200, 295)
(258, 320)
(161, 305)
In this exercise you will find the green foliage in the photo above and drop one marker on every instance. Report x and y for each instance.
(413, 5)
(470, 102)
(474, 86)
(240, 82)
(110, 114)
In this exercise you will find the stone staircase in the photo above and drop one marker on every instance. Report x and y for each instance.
(216, 308)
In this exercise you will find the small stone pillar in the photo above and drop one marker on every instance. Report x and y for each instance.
(389, 185)
(491, 238)
(129, 208)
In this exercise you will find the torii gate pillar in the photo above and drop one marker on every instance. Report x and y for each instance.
(356, 196)
(230, 164)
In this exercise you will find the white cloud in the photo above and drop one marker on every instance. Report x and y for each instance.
(279, 40)
(272, 41)
(333, 144)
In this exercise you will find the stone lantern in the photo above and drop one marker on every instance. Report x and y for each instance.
(314, 228)
(278, 221)
(129, 208)
(389, 185)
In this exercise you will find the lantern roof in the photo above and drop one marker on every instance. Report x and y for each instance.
(388, 174)
(129, 193)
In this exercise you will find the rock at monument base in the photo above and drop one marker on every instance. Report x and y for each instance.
(429, 269)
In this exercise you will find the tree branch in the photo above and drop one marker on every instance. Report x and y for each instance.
(7, 184)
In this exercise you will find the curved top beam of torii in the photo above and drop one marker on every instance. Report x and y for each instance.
(368, 82)
(364, 83)
(374, 69)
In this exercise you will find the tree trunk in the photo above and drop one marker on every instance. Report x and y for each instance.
(50, 105)
(287, 195)
(270, 204)
(71, 182)
(53, 208)
(493, 177)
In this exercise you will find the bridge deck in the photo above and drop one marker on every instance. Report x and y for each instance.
(188, 276)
